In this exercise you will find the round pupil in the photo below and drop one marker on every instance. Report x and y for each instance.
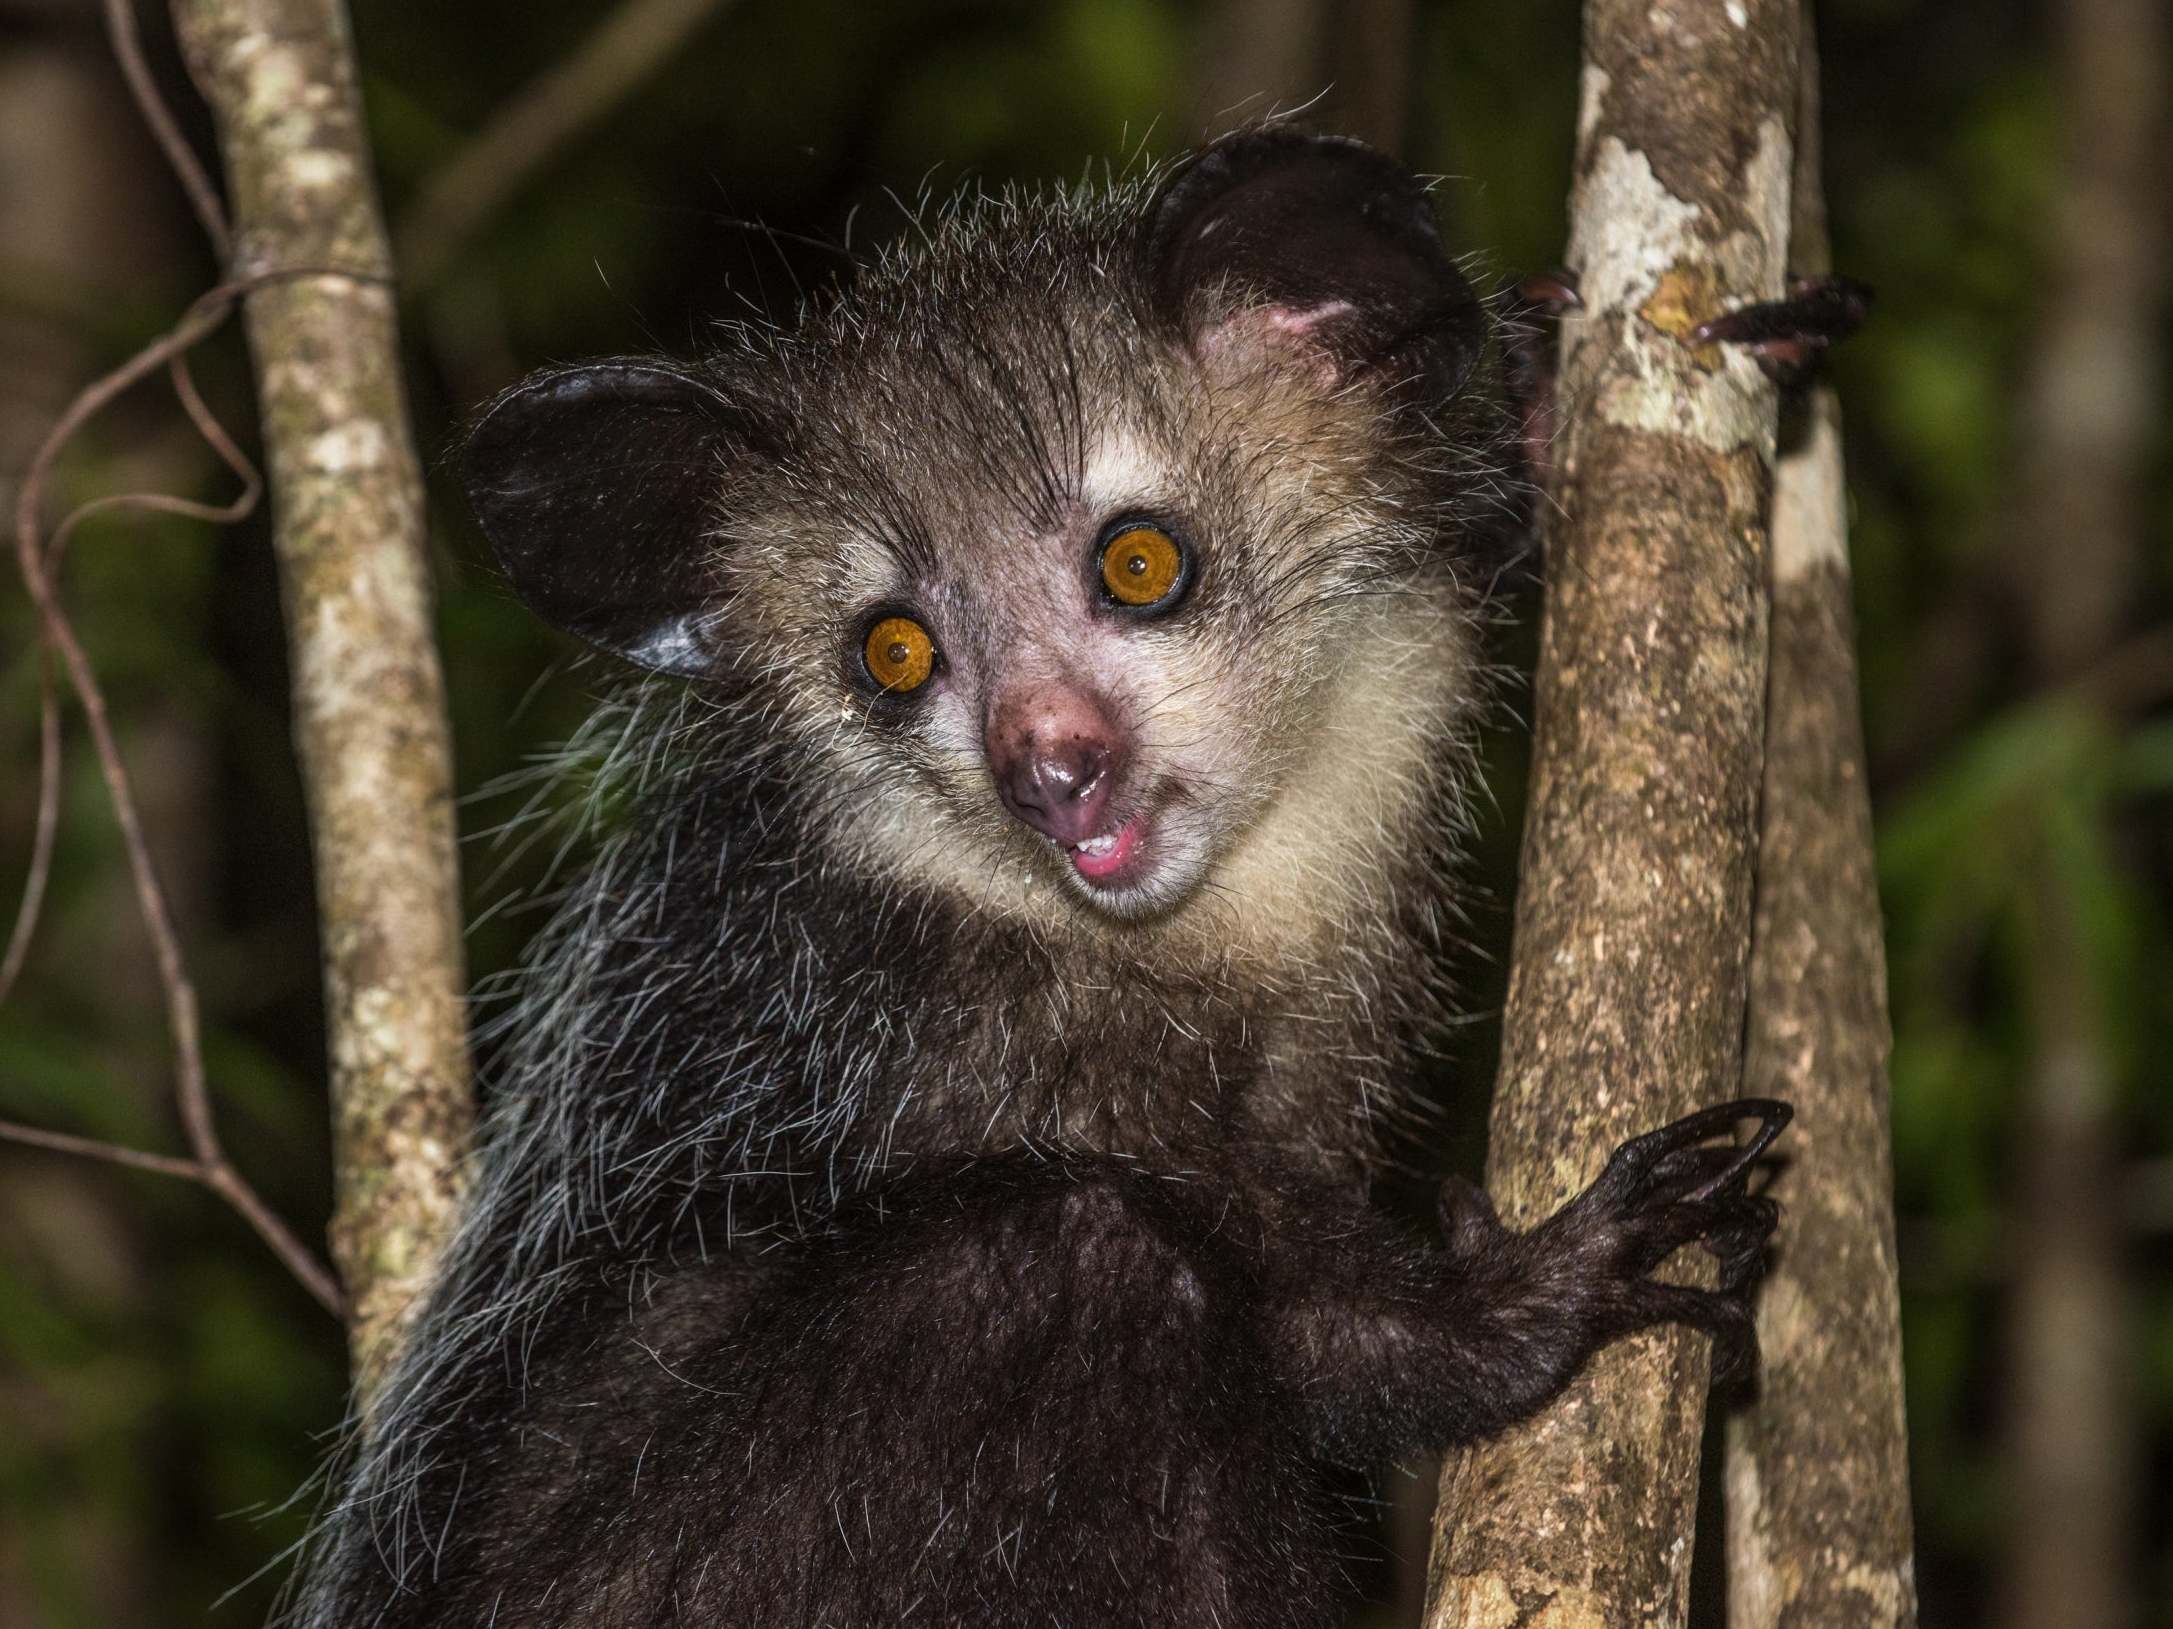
(1137, 565)
(899, 651)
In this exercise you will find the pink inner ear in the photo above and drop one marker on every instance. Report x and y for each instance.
(1265, 333)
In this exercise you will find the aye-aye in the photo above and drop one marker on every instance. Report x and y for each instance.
(928, 1180)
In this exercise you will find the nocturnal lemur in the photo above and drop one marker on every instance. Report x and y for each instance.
(929, 1183)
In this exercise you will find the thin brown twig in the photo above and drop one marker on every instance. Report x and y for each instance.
(195, 323)
(93, 1148)
(41, 842)
(238, 508)
(220, 1178)
(37, 557)
(203, 196)
(31, 901)
(313, 1275)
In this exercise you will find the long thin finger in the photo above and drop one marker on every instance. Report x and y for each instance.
(1773, 1116)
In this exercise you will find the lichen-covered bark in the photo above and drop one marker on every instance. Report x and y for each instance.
(369, 706)
(1818, 1478)
(1627, 988)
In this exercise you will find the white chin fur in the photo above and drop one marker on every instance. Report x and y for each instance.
(1170, 879)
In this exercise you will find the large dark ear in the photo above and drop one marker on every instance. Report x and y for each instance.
(1277, 236)
(596, 486)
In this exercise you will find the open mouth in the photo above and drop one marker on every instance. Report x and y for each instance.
(1107, 859)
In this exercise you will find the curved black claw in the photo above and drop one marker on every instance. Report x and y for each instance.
(1672, 1156)
(1789, 335)
(1659, 1192)
(1550, 293)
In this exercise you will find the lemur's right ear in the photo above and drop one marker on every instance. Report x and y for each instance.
(596, 486)
(1276, 236)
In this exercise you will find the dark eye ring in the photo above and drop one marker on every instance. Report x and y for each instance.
(1142, 567)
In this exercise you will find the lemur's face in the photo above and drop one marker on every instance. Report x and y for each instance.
(1092, 699)
(1096, 691)
(1097, 563)
(1056, 704)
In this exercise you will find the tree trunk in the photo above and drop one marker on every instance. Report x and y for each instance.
(1818, 1473)
(347, 522)
(1627, 988)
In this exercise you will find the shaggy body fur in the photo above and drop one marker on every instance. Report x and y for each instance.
(871, 1227)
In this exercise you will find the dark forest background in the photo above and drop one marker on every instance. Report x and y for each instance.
(165, 1388)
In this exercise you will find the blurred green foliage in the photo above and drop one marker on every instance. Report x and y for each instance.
(165, 1390)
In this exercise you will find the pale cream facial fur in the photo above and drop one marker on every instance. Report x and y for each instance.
(1287, 737)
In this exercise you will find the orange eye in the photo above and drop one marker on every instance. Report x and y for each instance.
(899, 654)
(1141, 565)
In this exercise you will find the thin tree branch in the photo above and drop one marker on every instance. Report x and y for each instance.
(220, 1179)
(135, 1159)
(170, 349)
(180, 156)
(523, 137)
(1818, 1518)
(43, 833)
(348, 528)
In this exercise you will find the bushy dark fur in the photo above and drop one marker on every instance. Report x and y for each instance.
(849, 1252)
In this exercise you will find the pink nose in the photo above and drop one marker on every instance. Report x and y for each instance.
(1056, 758)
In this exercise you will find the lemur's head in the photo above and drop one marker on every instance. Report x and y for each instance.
(1102, 555)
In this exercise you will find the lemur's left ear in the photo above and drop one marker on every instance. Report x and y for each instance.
(1279, 237)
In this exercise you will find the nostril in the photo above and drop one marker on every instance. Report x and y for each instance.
(1059, 789)
(1072, 773)
(1027, 787)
